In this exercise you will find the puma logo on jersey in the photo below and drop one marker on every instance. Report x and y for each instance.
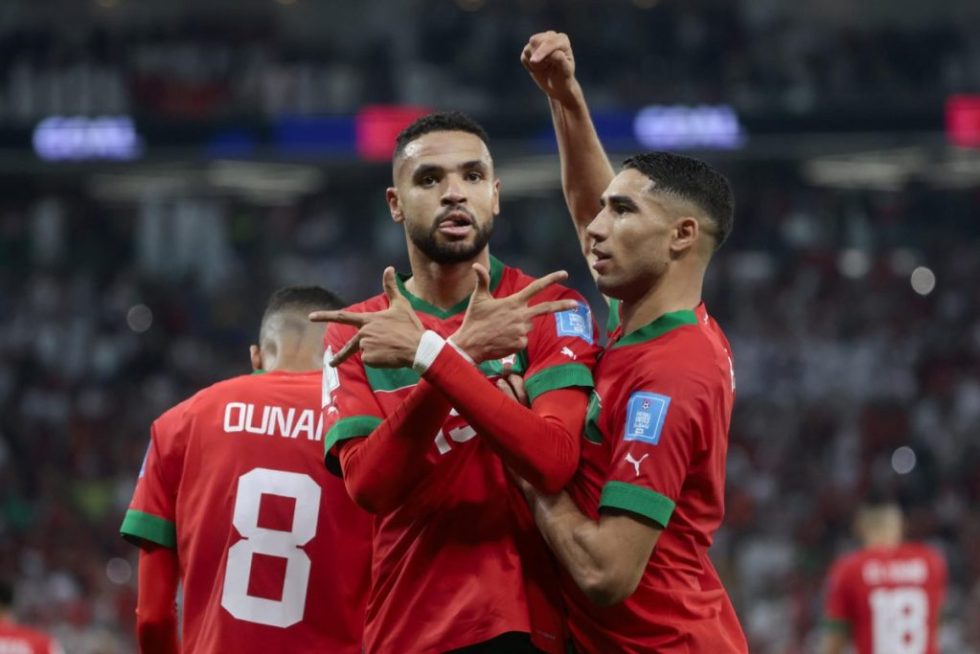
(636, 463)
(567, 351)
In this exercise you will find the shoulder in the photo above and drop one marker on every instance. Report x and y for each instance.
(844, 567)
(178, 416)
(515, 279)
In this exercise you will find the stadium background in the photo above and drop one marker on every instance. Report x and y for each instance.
(165, 166)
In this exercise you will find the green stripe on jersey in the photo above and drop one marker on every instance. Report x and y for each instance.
(591, 430)
(496, 273)
(612, 322)
(637, 499)
(392, 379)
(145, 526)
(835, 624)
(665, 323)
(566, 375)
(352, 427)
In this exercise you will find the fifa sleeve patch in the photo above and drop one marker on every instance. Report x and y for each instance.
(331, 379)
(575, 322)
(645, 416)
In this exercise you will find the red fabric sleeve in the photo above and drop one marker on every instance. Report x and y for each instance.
(380, 470)
(541, 444)
(156, 610)
(836, 607)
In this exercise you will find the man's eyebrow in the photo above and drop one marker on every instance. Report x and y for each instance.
(621, 200)
(426, 169)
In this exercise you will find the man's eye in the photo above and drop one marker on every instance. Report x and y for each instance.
(428, 180)
(474, 176)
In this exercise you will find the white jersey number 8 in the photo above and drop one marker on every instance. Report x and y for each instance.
(271, 542)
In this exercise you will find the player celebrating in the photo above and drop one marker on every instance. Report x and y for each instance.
(634, 527)
(421, 433)
(233, 499)
(15, 638)
(888, 595)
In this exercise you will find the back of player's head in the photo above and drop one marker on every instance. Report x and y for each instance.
(302, 299)
(288, 340)
(879, 520)
(446, 121)
(690, 180)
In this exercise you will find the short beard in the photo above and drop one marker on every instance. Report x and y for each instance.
(428, 243)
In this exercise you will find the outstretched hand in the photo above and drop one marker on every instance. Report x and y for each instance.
(494, 328)
(548, 58)
(386, 339)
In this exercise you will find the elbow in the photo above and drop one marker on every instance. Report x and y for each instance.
(553, 481)
(609, 587)
(370, 499)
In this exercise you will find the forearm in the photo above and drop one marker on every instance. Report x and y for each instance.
(156, 611)
(585, 168)
(381, 469)
(540, 444)
(571, 535)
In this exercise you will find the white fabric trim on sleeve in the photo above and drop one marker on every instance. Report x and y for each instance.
(430, 345)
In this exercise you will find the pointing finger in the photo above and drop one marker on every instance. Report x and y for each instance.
(540, 284)
(350, 347)
(552, 307)
(343, 317)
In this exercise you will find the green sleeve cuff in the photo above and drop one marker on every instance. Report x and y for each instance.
(836, 624)
(563, 376)
(138, 526)
(347, 428)
(637, 499)
(612, 322)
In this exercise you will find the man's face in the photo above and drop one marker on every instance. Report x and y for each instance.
(446, 195)
(631, 237)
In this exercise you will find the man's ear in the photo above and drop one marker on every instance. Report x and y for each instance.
(687, 230)
(496, 196)
(394, 205)
(255, 354)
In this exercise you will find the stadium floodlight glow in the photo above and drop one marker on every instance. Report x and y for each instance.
(680, 127)
(77, 138)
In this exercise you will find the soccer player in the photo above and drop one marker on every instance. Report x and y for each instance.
(887, 596)
(634, 526)
(233, 501)
(16, 638)
(420, 430)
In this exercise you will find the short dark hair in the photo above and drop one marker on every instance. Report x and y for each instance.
(444, 121)
(6, 594)
(302, 299)
(692, 180)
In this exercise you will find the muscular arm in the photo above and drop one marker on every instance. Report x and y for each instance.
(541, 444)
(156, 612)
(605, 558)
(381, 469)
(585, 169)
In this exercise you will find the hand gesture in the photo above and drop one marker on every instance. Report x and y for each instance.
(386, 339)
(548, 58)
(494, 328)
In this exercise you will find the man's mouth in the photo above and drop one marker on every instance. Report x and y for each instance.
(456, 224)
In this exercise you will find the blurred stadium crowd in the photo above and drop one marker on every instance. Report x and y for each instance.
(854, 315)
(439, 53)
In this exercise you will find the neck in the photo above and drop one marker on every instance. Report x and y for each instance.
(666, 295)
(882, 541)
(443, 285)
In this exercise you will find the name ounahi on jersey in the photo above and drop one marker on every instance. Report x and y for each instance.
(242, 417)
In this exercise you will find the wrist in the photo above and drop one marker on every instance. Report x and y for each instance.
(462, 345)
(430, 345)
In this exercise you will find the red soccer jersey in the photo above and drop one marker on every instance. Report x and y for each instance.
(16, 639)
(274, 556)
(654, 444)
(889, 598)
(447, 567)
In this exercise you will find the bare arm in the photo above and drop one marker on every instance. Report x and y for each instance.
(606, 558)
(585, 168)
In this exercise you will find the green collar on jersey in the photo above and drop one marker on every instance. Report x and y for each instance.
(496, 273)
(659, 327)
